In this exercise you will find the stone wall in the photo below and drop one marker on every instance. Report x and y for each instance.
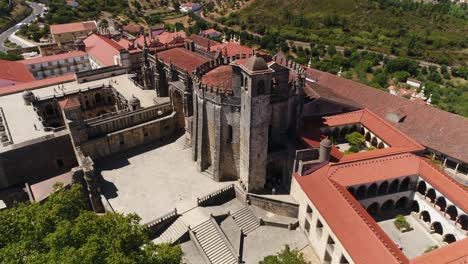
(275, 206)
(134, 136)
(36, 159)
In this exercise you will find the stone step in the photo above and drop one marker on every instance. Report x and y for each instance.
(175, 231)
(246, 220)
(213, 244)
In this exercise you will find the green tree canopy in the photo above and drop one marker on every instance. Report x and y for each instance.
(286, 256)
(61, 230)
(355, 138)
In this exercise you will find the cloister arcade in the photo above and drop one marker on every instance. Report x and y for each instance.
(342, 131)
(451, 223)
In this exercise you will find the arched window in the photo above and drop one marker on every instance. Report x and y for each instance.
(415, 206)
(388, 205)
(441, 203)
(425, 216)
(373, 208)
(449, 238)
(372, 191)
(431, 195)
(463, 222)
(437, 227)
(422, 188)
(394, 186)
(401, 203)
(383, 188)
(361, 192)
(452, 212)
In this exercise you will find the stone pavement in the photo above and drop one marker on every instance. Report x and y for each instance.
(151, 181)
(414, 242)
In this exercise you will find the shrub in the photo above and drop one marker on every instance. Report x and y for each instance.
(401, 223)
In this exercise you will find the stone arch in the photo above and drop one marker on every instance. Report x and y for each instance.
(373, 208)
(374, 141)
(441, 203)
(463, 222)
(437, 227)
(404, 185)
(336, 133)
(449, 238)
(368, 136)
(372, 190)
(353, 128)
(452, 212)
(381, 145)
(394, 186)
(352, 191)
(344, 131)
(422, 188)
(383, 188)
(388, 205)
(402, 203)
(361, 192)
(97, 98)
(431, 195)
(425, 216)
(415, 206)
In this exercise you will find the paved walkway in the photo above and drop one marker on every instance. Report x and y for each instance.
(152, 180)
(414, 242)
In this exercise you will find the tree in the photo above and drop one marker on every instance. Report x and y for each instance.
(61, 230)
(331, 50)
(286, 256)
(355, 139)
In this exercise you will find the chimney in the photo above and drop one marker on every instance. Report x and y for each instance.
(325, 150)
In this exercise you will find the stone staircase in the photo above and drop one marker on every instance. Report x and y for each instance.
(175, 231)
(214, 243)
(246, 220)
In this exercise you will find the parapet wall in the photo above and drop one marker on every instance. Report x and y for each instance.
(101, 126)
(133, 136)
(28, 162)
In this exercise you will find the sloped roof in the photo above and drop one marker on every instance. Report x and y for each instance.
(102, 49)
(56, 57)
(432, 127)
(231, 49)
(203, 42)
(69, 103)
(73, 27)
(182, 58)
(36, 84)
(15, 71)
(220, 77)
(350, 222)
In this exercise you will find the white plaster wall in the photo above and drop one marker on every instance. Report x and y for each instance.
(319, 244)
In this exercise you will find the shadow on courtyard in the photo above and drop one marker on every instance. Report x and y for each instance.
(121, 160)
(391, 214)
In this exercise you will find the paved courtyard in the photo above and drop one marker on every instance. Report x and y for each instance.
(152, 180)
(414, 242)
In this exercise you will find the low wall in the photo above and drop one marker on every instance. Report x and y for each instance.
(36, 159)
(102, 126)
(274, 206)
(218, 197)
(157, 226)
(131, 137)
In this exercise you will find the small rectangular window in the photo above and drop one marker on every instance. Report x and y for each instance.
(229, 135)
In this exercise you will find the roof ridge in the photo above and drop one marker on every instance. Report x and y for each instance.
(392, 126)
(432, 166)
(364, 216)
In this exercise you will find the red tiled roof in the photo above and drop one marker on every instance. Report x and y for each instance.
(350, 222)
(231, 49)
(220, 77)
(454, 253)
(432, 127)
(102, 49)
(182, 58)
(69, 103)
(203, 42)
(132, 28)
(210, 31)
(73, 27)
(36, 84)
(381, 128)
(61, 56)
(164, 38)
(15, 71)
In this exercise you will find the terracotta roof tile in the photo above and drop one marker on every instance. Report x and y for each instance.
(231, 49)
(182, 58)
(14, 71)
(203, 42)
(69, 103)
(36, 84)
(432, 127)
(56, 57)
(220, 77)
(73, 27)
(102, 49)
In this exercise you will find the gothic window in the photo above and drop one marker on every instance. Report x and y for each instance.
(260, 87)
